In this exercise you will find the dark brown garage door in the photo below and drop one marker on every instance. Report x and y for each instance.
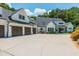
(34, 30)
(27, 31)
(1, 31)
(16, 31)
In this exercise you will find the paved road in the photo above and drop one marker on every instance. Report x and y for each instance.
(38, 45)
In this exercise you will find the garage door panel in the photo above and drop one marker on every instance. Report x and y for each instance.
(27, 30)
(16, 31)
(1, 30)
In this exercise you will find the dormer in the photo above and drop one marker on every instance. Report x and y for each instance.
(20, 15)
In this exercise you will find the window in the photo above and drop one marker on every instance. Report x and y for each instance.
(69, 28)
(21, 17)
(50, 29)
(60, 23)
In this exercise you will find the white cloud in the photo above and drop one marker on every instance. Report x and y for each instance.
(39, 11)
(28, 12)
(9, 5)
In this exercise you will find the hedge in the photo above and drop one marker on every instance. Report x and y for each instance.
(75, 35)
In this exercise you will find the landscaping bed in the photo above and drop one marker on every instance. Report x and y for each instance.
(75, 37)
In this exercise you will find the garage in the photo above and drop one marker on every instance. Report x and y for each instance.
(1, 31)
(27, 30)
(34, 30)
(16, 31)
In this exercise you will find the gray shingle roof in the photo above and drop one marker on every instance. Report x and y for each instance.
(6, 15)
(43, 21)
(69, 23)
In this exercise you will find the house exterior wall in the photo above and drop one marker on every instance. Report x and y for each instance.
(70, 28)
(50, 25)
(4, 22)
(20, 25)
(39, 29)
(22, 12)
(34, 26)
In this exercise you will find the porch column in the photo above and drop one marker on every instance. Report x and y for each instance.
(54, 29)
(64, 30)
(23, 31)
(10, 31)
(31, 30)
(5, 30)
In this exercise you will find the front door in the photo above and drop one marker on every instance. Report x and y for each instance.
(61, 30)
(34, 30)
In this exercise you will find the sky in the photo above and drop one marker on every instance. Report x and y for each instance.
(40, 8)
(46, 6)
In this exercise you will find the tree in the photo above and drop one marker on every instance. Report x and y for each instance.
(76, 22)
(44, 15)
(67, 15)
(6, 6)
(34, 17)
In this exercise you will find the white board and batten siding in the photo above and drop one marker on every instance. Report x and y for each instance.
(39, 29)
(21, 12)
(70, 27)
(50, 25)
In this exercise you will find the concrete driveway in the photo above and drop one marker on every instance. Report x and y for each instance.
(38, 45)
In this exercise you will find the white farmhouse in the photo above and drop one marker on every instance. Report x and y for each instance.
(45, 25)
(15, 23)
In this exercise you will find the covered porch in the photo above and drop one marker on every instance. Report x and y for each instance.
(60, 29)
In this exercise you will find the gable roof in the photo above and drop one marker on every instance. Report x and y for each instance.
(20, 21)
(6, 15)
(43, 21)
(15, 12)
(69, 24)
(10, 17)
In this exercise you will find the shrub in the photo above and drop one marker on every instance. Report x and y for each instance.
(75, 35)
(51, 32)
